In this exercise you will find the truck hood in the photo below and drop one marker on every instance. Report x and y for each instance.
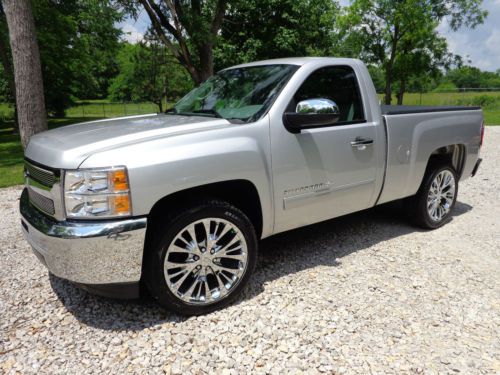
(68, 146)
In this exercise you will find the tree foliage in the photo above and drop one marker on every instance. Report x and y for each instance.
(401, 36)
(78, 44)
(189, 29)
(78, 40)
(148, 72)
(471, 77)
(266, 29)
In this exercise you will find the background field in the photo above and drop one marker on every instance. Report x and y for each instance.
(11, 153)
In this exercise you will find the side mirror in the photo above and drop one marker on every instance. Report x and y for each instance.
(311, 113)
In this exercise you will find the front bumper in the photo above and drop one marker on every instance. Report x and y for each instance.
(95, 253)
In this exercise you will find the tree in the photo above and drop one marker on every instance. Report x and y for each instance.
(78, 42)
(148, 72)
(27, 68)
(9, 89)
(471, 77)
(189, 29)
(384, 30)
(266, 29)
(424, 55)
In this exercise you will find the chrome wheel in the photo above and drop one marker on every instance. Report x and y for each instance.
(205, 261)
(441, 195)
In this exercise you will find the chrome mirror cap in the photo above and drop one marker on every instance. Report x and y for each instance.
(317, 105)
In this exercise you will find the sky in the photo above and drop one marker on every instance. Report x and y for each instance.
(481, 46)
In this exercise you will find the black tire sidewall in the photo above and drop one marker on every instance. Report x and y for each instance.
(156, 282)
(423, 218)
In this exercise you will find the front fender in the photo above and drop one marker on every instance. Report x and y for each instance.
(158, 168)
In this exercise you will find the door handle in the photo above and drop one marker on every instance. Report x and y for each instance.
(361, 143)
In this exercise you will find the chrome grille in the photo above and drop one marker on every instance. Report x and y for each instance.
(40, 175)
(43, 203)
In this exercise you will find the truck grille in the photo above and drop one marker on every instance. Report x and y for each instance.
(43, 203)
(40, 175)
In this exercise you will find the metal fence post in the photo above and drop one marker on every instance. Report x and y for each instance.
(103, 111)
(83, 111)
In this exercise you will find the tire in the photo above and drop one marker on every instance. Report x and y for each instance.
(431, 207)
(197, 276)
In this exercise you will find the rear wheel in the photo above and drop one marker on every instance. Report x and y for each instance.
(203, 260)
(432, 205)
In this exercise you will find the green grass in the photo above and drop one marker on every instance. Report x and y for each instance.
(11, 158)
(101, 108)
(11, 152)
(491, 111)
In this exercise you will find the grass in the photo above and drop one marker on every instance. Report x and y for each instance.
(11, 152)
(491, 110)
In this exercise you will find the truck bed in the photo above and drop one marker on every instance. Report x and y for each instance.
(415, 132)
(408, 109)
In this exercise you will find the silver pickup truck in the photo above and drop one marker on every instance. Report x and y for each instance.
(177, 202)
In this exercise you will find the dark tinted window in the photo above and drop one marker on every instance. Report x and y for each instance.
(337, 83)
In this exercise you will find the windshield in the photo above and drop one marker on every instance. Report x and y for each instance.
(236, 94)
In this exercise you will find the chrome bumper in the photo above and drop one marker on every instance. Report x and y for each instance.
(86, 252)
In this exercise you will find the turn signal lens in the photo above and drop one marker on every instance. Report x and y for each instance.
(119, 180)
(122, 204)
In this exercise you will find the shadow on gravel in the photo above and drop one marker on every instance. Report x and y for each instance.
(286, 253)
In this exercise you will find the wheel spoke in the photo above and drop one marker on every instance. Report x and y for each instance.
(179, 282)
(208, 235)
(228, 245)
(192, 234)
(235, 256)
(178, 249)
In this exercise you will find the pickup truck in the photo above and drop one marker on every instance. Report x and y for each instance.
(175, 203)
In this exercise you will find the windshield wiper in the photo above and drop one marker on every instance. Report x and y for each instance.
(171, 111)
(202, 112)
(209, 112)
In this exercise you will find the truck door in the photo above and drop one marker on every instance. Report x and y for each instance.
(328, 171)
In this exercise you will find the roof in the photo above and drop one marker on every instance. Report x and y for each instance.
(296, 61)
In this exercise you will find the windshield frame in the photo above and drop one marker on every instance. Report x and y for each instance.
(260, 113)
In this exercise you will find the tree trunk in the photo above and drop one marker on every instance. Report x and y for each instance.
(388, 85)
(27, 69)
(390, 65)
(205, 52)
(401, 92)
(9, 75)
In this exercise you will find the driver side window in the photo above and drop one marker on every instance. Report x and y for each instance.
(337, 83)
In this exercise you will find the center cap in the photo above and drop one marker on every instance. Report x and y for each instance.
(205, 260)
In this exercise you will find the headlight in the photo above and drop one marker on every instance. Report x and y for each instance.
(97, 193)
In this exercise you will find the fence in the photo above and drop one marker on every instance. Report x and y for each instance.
(487, 98)
(94, 110)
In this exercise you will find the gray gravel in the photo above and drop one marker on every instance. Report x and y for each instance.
(359, 294)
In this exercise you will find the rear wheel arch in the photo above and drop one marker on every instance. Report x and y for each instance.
(453, 155)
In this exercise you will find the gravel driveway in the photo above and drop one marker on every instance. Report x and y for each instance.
(366, 293)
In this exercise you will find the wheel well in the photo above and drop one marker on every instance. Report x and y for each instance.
(452, 154)
(240, 193)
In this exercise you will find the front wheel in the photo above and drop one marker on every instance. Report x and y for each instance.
(434, 201)
(203, 260)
